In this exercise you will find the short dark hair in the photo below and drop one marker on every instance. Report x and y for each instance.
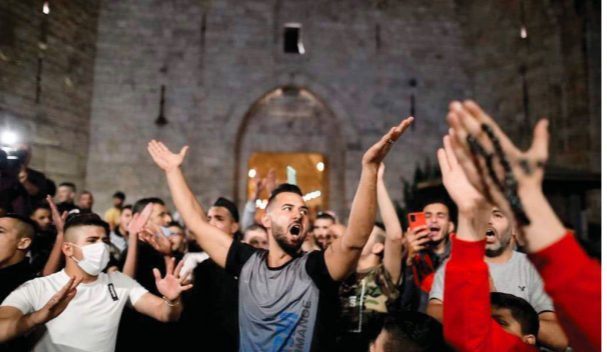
(326, 216)
(119, 195)
(140, 205)
(68, 184)
(175, 223)
(86, 220)
(436, 200)
(521, 311)
(255, 227)
(413, 332)
(230, 207)
(284, 188)
(39, 205)
(26, 227)
(86, 192)
(128, 206)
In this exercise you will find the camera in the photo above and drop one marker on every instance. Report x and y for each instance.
(11, 159)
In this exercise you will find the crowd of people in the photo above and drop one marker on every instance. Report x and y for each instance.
(508, 277)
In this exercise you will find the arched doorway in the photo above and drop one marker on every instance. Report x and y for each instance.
(294, 122)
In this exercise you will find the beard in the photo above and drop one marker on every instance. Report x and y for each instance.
(436, 243)
(280, 235)
(503, 243)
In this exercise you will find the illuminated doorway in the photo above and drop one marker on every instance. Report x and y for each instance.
(310, 170)
(293, 126)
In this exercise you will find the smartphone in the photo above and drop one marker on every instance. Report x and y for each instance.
(416, 220)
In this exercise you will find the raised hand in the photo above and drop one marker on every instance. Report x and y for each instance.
(376, 154)
(416, 240)
(156, 238)
(258, 186)
(507, 177)
(140, 219)
(164, 158)
(381, 172)
(270, 180)
(466, 197)
(58, 219)
(172, 284)
(57, 304)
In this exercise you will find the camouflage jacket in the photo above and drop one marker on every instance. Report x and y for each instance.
(365, 296)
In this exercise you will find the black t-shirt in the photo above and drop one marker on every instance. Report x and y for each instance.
(211, 307)
(11, 278)
(289, 308)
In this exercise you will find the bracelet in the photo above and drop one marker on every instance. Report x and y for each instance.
(169, 302)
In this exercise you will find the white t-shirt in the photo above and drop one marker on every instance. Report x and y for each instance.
(90, 321)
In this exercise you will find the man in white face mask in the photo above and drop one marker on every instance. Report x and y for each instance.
(80, 306)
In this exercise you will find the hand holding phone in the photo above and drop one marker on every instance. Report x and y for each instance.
(416, 220)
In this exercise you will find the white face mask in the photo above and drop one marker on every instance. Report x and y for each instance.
(96, 256)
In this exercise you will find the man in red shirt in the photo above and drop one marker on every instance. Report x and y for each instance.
(512, 180)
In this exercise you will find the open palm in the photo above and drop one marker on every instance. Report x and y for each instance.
(164, 158)
(172, 284)
(463, 193)
(376, 154)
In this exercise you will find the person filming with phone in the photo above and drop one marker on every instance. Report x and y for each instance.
(427, 246)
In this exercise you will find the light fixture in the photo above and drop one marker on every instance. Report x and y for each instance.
(252, 173)
(523, 32)
(46, 8)
(261, 203)
(9, 137)
(320, 166)
(312, 195)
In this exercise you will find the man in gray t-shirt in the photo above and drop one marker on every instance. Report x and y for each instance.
(517, 277)
(511, 272)
(286, 298)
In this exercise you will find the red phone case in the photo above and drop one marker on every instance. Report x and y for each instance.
(416, 220)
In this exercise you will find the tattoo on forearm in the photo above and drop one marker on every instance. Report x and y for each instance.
(509, 186)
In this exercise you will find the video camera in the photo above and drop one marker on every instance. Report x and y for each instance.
(11, 158)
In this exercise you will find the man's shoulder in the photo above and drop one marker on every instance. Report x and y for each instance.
(35, 173)
(56, 278)
(520, 259)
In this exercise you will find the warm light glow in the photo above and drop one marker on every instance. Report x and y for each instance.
(9, 137)
(45, 8)
(320, 166)
(252, 173)
(523, 32)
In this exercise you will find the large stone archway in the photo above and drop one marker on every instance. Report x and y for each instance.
(292, 119)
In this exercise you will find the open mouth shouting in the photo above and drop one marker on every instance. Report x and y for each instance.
(491, 236)
(434, 233)
(295, 230)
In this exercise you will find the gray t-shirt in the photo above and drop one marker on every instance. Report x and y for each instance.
(517, 277)
(289, 308)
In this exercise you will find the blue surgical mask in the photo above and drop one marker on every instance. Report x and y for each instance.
(166, 231)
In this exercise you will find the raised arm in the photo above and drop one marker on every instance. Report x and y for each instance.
(469, 326)
(342, 255)
(212, 240)
(393, 249)
(54, 260)
(135, 226)
(513, 181)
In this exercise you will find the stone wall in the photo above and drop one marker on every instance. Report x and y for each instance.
(46, 81)
(218, 58)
